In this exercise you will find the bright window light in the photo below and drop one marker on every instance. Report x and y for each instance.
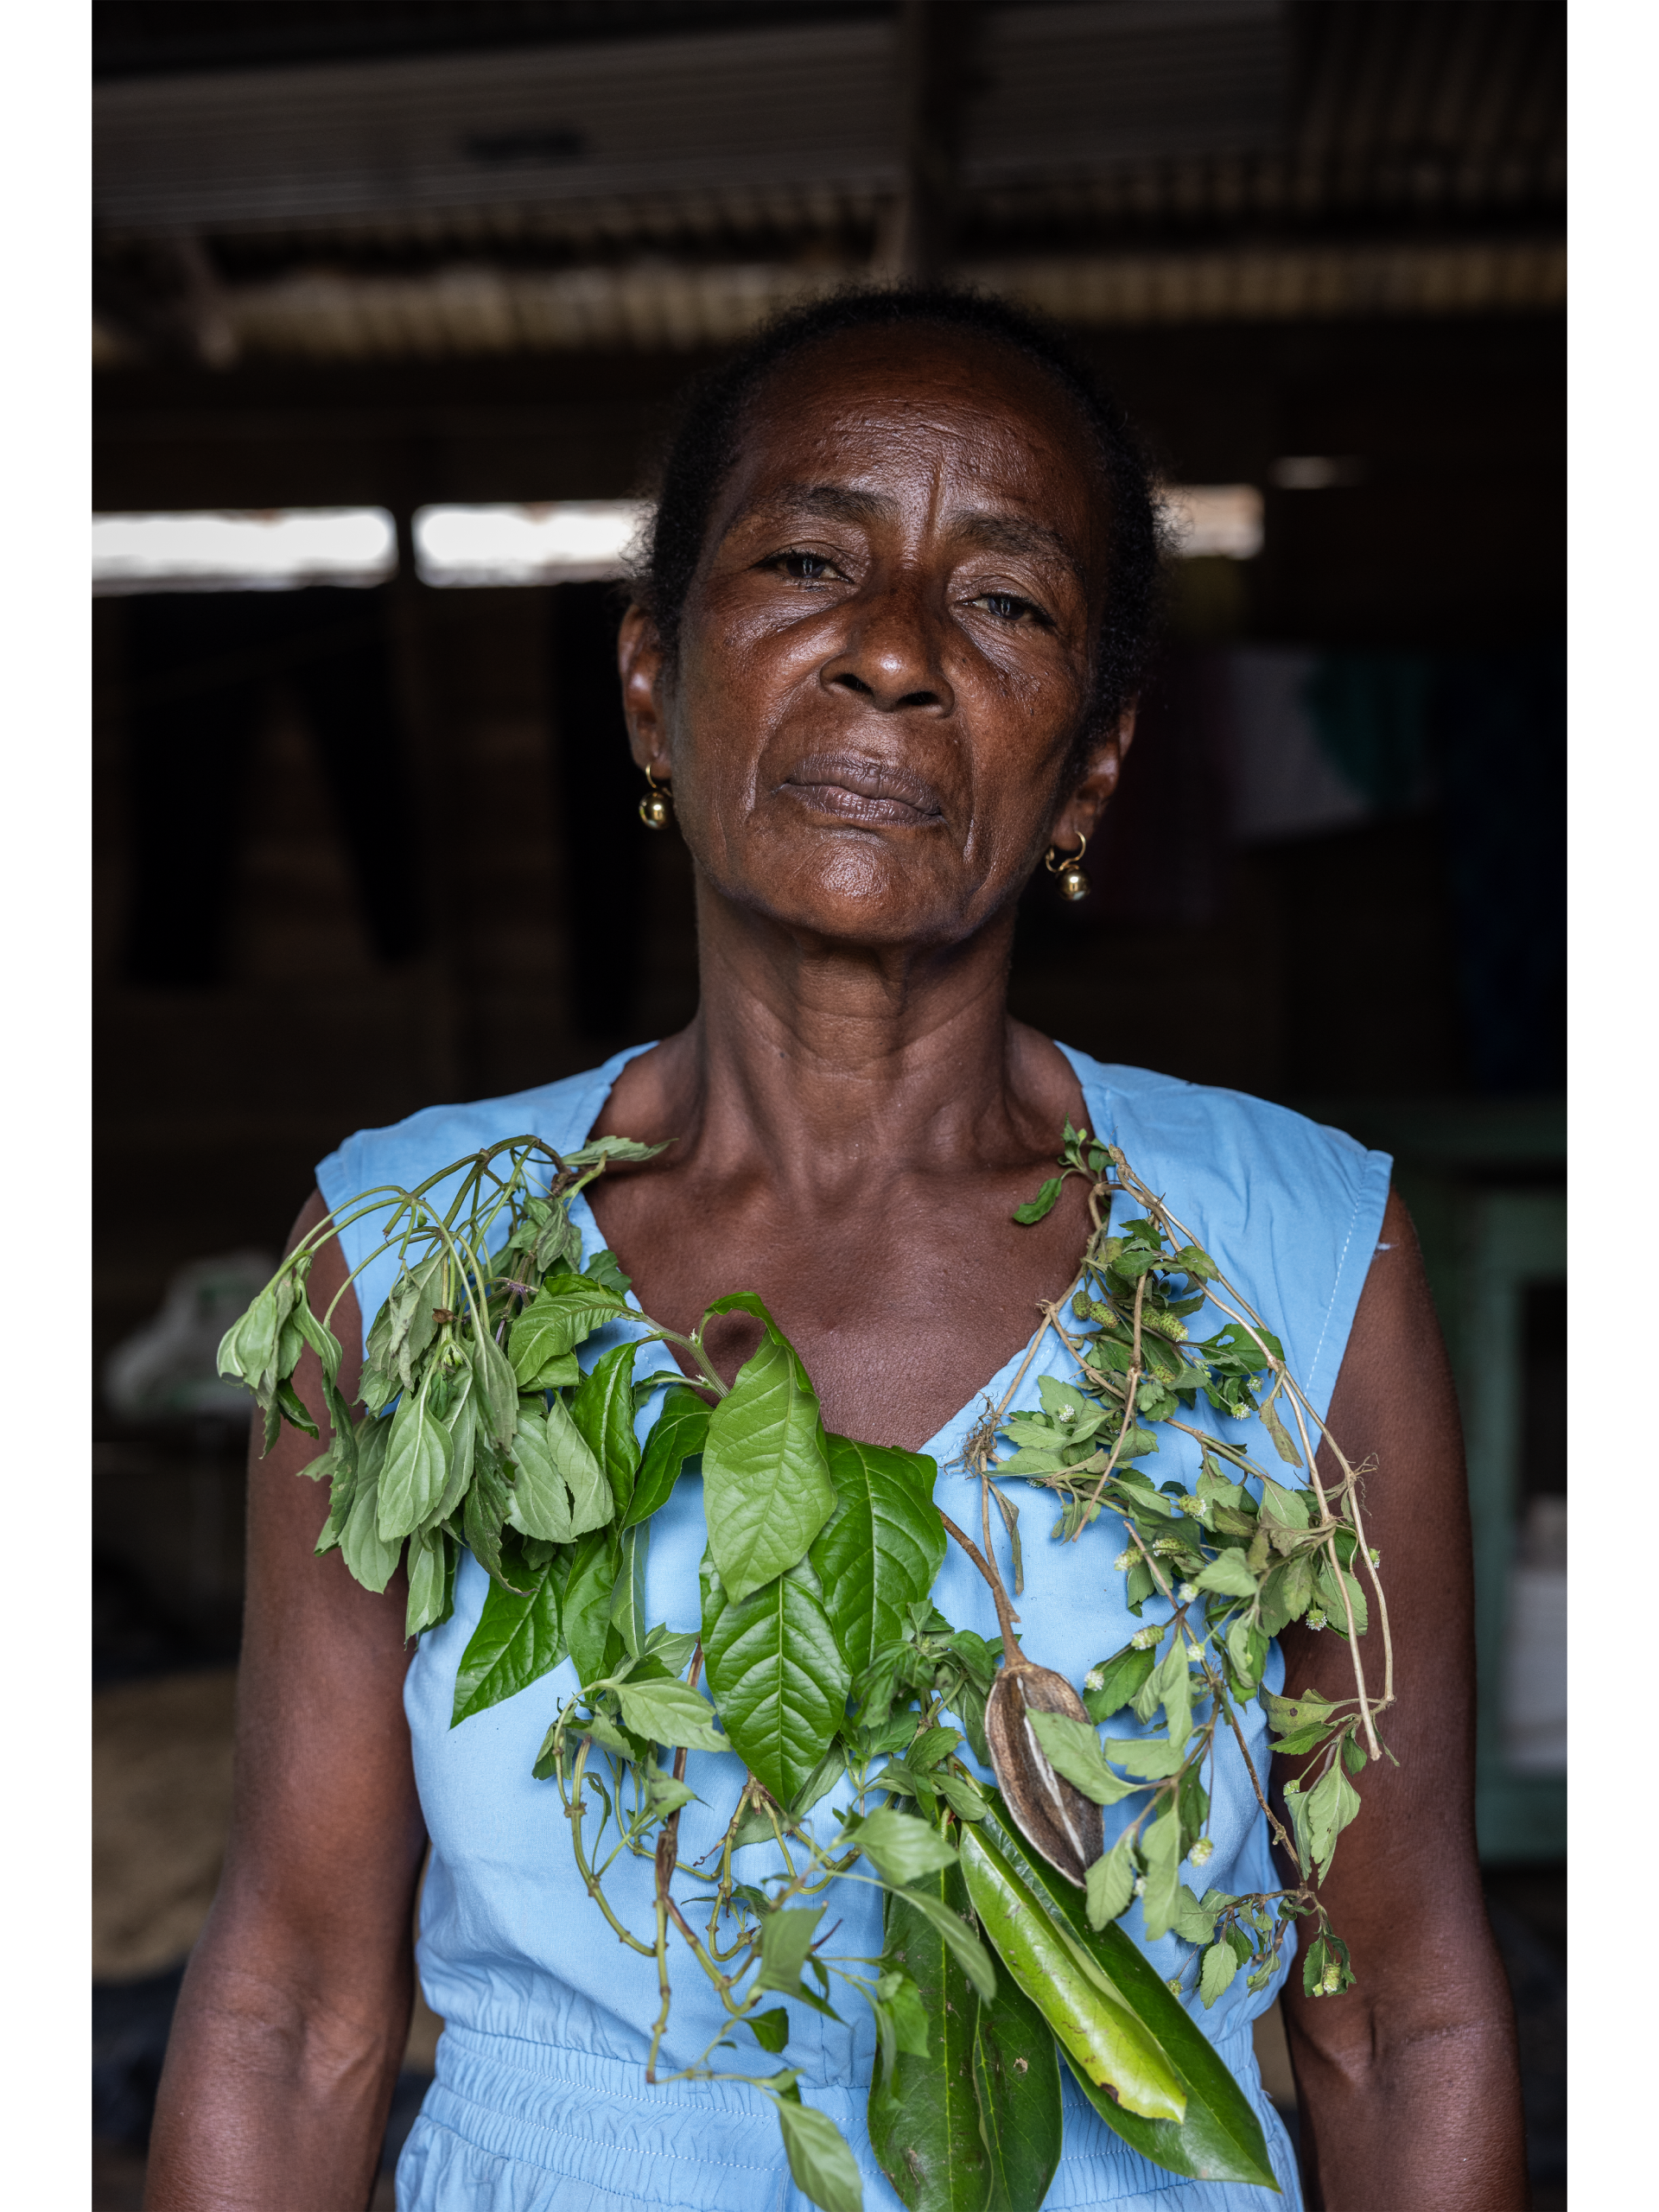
(557, 541)
(246, 550)
(1211, 518)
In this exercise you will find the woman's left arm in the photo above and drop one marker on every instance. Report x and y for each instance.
(1408, 2084)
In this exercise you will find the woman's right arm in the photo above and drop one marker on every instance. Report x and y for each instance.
(295, 2005)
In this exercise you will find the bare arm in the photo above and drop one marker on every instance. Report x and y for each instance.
(295, 2006)
(1409, 2086)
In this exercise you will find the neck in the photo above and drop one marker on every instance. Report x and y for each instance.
(830, 1059)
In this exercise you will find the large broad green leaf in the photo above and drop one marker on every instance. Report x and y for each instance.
(766, 1476)
(497, 1388)
(676, 1435)
(588, 1601)
(628, 1597)
(412, 1303)
(432, 1555)
(518, 1639)
(592, 1503)
(484, 1513)
(778, 1676)
(541, 1502)
(559, 1492)
(824, 2169)
(670, 1712)
(785, 1941)
(461, 1421)
(881, 1548)
(964, 1947)
(1220, 2138)
(564, 1310)
(417, 1464)
(902, 1846)
(603, 1409)
(924, 2115)
(1017, 2076)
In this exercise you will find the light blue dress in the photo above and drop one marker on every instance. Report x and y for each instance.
(540, 2103)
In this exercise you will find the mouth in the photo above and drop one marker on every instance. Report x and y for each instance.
(878, 794)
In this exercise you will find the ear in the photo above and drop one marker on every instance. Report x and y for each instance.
(640, 662)
(1079, 816)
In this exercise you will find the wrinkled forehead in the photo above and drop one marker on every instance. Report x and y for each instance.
(916, 406)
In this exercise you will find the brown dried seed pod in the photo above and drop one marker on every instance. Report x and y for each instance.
(1056, 1819)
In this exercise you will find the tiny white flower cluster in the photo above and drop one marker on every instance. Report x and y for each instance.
(1186, 1592)
(1314, 1617)
(1202, 1852)
(1146, 1639)
(1124, 1561)
(1094, 1678)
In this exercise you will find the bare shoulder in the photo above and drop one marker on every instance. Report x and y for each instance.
(1045, 1084)
(1395, 1339)
(653, 1094)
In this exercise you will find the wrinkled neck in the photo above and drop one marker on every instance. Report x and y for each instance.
(837, 1058)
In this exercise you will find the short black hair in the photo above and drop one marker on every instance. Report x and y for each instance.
(703, 450)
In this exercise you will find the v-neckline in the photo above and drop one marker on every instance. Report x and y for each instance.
(1094, 1097)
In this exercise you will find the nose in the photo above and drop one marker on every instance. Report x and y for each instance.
(890, 652)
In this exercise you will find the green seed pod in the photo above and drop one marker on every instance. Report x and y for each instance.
(1104, 2039)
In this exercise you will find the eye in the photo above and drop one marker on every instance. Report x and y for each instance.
(1008, 607)
(803, 566)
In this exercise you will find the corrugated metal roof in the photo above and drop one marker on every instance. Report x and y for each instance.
(1122, 159)
(298, 146)
(1054, 89)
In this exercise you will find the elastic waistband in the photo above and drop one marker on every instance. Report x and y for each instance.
(708, 2146)
(585, 2130)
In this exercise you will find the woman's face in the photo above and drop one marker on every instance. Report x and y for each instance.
(885, 652)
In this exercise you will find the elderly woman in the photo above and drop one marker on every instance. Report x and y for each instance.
(884, 659)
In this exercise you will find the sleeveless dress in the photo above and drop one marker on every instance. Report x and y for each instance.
(540, 2102)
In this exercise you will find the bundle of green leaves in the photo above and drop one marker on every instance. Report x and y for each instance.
(828, 1666)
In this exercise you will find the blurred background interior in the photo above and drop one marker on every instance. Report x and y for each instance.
(393, 302)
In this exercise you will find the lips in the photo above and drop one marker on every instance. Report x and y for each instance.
(857, 789)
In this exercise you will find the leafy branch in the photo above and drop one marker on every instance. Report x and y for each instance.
(822, 1664)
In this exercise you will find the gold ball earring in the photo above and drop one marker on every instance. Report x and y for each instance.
(1068, 870)
(655, 810)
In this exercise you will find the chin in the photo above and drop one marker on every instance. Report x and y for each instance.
(871, 901)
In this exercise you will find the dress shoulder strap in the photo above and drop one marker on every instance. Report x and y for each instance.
(1290, 1210)
(406, 1152)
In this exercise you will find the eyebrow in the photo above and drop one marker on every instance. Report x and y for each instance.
(994, 532)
